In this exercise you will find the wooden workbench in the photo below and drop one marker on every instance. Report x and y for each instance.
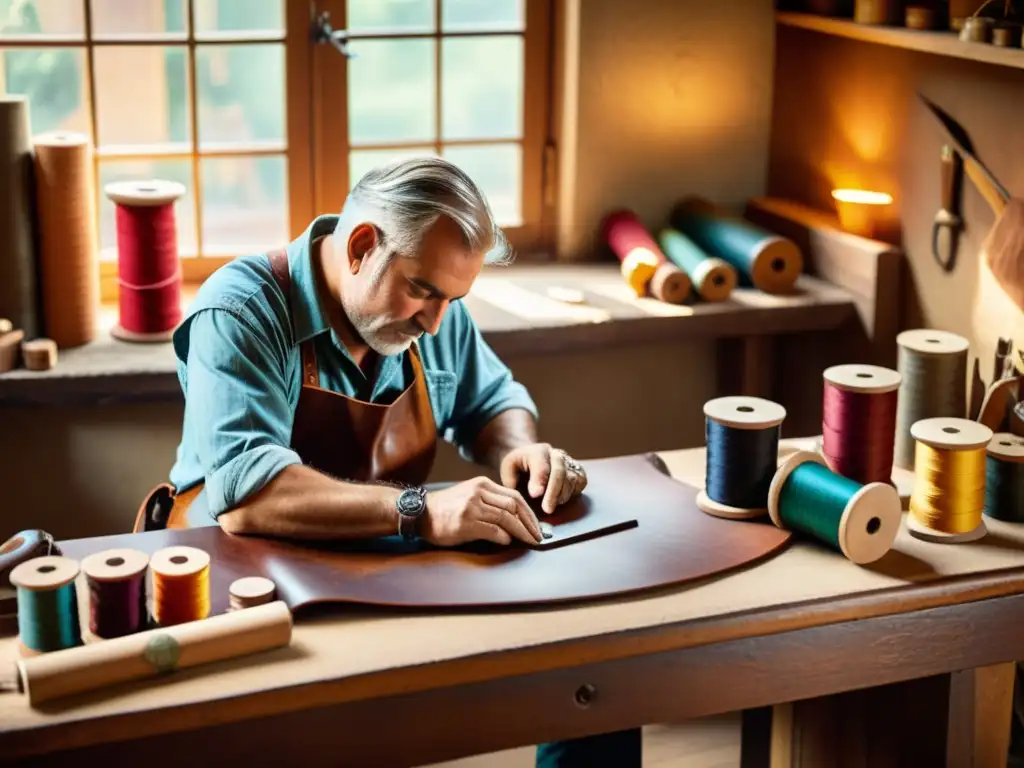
(384, 688)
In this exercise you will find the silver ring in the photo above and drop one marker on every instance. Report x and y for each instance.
(571, 464)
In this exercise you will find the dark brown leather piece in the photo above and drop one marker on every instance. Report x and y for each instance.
(672, 542)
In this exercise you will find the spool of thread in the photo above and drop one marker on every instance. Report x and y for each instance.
(181, 585)
(1004, 478)
(39, 354)
(148, 268)
(69, 264)
(117, 592)
(713, 278)
(860, 521)
(644, 266)
(859, 421)
(949, 480)
(763, 259)
(10, 349)
(19, 274)
(154, 652)
(742, 439)
(250, 591)
(933, 365)
(47, 604)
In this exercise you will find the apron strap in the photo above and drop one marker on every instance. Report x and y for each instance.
(279, 268)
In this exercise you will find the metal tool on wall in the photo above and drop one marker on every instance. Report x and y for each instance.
(948, 223)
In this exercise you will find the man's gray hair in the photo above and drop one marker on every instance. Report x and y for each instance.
(405, 197)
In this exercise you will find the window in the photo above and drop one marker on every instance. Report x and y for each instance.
(264, 128)
(464, 79)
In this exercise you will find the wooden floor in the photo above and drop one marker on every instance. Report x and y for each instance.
(709, 743)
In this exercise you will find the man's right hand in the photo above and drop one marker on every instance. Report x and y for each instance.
(475, 510)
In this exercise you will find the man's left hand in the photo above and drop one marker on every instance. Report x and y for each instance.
(552, 473)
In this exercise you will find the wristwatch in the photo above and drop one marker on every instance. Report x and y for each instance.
(412, 503)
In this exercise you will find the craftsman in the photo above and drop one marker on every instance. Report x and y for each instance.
(318, 379)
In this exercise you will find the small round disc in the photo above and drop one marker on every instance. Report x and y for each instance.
(782, 475)
(179, 561)
(566, 295)
(716, 509)
(46, 572)
(60, 139)
(870, 523)
(919, 531)
(148, 192)
(1006, 447)
(933, 342)
(115, 564)
(741, 412)
(251, 588)
(6, 326)
(777, 266)
(951, 433)
(670, 284)
(868, 379)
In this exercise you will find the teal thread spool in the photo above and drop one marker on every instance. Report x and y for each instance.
(713, 278)
(860, 521)
(47, 604)
(1004, 478)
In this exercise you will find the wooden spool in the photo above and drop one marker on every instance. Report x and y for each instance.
(10, 349)
(39, 354)
(251, 591)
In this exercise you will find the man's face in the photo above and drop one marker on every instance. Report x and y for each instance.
(393, 308)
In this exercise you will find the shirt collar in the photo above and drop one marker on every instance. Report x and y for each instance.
(308, 318)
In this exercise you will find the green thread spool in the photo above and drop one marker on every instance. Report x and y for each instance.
(860, 521)
(47, 604)
(713, 278)
(763, 259)
(1004, 478)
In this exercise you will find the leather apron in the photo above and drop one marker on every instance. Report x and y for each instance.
(341, 436)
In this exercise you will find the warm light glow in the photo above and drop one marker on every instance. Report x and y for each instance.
(861, 196)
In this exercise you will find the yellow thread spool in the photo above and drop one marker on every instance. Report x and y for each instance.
(949, 484)
(181, 585)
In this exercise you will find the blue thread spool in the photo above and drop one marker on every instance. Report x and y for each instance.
(1004, 478)
(859, 521)
(742, 438)
(47, 604)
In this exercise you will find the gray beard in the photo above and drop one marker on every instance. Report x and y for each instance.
(366, 327)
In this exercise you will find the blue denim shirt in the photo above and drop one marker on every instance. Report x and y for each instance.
(240, 370)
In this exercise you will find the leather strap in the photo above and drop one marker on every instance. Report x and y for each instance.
(279, 269)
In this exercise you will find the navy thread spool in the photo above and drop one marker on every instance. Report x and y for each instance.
(742, 438)
(117, 592)
(47, 604)
(1004, 478)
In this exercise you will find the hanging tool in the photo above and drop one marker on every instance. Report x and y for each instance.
(948, 220)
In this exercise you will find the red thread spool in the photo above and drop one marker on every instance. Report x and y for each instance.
(859, 421)
(148, 268)
(644, 266)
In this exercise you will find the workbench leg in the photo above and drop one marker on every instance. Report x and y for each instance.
(980, 711)
(894, 726)
(756, 738)
(746, 366)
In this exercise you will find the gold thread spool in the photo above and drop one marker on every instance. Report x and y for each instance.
(638, 268)
(39, 354)
(68, 258)
(949, 480)
(251, 591)
(181, 585)
(670, 284)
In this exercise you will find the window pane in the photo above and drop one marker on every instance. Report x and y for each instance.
(140, 170)
(482, 89)
(391, 91)
(54, 81)
(241, 93)
(116, 18)
(245, 204)
(481, 15)
(239, 16)
(390, 16)
(24, 18)
(363, 160)
(496, 170)
(151, 106)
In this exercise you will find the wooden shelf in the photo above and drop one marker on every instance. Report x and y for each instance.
(939, 43)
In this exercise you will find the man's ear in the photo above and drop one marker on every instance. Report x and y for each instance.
(361, 242)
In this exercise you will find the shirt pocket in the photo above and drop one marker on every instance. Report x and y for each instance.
(441, 388)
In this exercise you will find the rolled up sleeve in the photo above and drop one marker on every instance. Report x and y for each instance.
(485, 388)
(237, 409)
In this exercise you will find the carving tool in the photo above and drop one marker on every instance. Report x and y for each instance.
(948, 221)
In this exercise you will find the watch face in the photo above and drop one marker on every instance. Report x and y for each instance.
(410, 502)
